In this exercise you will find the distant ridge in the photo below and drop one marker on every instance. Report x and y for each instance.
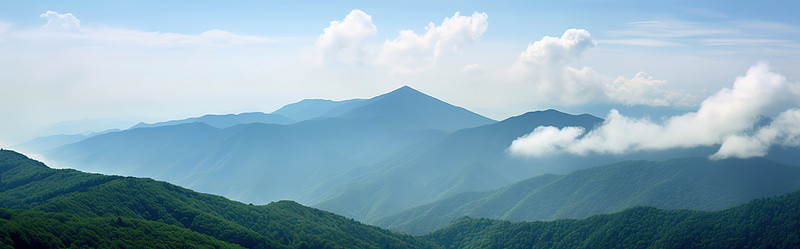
(317, 108)
(225, 121)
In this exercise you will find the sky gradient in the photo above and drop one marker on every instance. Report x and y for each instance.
(77, 66)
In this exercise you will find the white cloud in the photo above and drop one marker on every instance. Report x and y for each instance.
(345, 39)
(784, 130)
(544, 140)
(645, 90)
(64, 22)
(557, 51)
(640, 42)
(720, 118)
(411, 52)
(545, 64)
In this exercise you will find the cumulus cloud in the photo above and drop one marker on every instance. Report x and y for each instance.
(546, 64)
(344, 39)
(725, 117)
(410, 51)
(557, 51)
(56, 21)
(551, 66)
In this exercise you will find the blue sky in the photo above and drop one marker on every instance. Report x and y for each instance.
(130, 61)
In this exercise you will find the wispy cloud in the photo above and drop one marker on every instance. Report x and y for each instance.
(741, 36)
(66, 27)
(672, 28)
(640, 42)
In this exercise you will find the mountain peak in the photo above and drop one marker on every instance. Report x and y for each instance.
(405, 90)
(415, 110)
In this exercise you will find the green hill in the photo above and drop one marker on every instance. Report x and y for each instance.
(764, 223)
(695, 183)
(94, 198)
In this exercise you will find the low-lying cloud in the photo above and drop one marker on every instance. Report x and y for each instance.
(727, 118)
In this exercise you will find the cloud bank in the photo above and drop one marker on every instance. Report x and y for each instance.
(726, 118)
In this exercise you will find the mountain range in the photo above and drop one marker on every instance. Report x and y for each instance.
(260, 162)
(366, 159)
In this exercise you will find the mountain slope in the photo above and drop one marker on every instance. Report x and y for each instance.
(762, 223)
(317, 108)
(254, 163)
(466, 160)
(225, 121)
(28, 184)
(697, 184)
(414, 110)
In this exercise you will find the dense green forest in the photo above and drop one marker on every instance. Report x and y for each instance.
(764, 223)
(691, 183)
(29, 184)
(34, 229)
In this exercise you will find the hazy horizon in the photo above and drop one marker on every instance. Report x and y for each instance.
(119, 63)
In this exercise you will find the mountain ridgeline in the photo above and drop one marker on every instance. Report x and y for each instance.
(696, 183)
(225, 121)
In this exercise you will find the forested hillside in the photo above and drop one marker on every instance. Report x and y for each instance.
(93, 198)
(36, 229)
(693, 183)
(764, 223)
